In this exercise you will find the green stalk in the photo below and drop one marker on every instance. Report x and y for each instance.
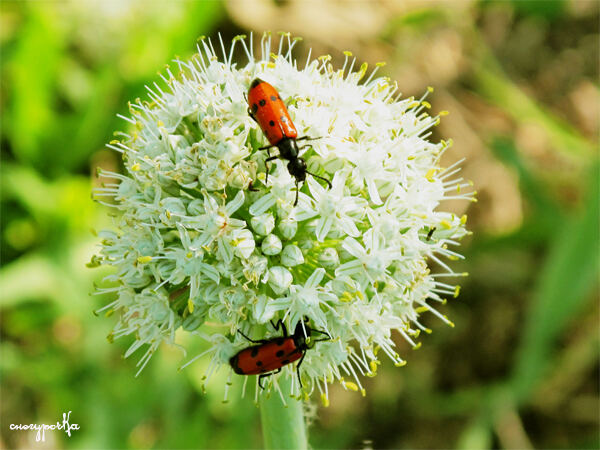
(282, 425)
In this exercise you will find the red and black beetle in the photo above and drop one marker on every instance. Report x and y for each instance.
(268, 110)
(268, 356)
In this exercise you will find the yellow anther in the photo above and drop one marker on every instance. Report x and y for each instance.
(168, 214)
(456, 290)
(109, 313)
(447, 225)
(114, 142)
(190, 305)
(144, 259)
(350, 385)
(429, 88)
(400, 363)
(430, 173)
(347, 52)
(443, 113)
(363, 69)
(417, 346)
(346, 297)
(271, 65)
(422, 309)
(373, 365)
(363, 392)
(160, 123)
(189, 255)
(428, 330)
(380, 64)
(426, 104)
(324, 400)
(135, 167)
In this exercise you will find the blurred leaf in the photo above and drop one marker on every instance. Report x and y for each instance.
(419, 20)
(33, 72)
(477, 435)
(548, 9)
(564, 284)
(32, 276)
(533, 189)
(499, 90)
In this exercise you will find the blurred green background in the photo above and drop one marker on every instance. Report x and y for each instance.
(520, 80)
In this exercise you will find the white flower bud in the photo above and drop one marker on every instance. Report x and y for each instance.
(287, 227)
(271, 245)
(263, 224)
(280, 279)
(329, 258)
(243, 243)
(292, 256)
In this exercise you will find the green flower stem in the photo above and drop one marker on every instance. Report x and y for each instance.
(282, 425)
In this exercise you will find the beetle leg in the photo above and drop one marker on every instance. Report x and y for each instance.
(306, 138)
(322, 332)
(270, 158)
(280, 324)
(298, 369)
(297, 189)
(252, 115)
(265, 375)
(260, 341)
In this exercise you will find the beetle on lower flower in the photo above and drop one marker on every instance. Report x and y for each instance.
(201, 237)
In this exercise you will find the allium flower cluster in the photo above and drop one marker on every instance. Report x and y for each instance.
(202, 238)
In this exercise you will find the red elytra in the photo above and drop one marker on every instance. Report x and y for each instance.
(270, 355)
(268, 110)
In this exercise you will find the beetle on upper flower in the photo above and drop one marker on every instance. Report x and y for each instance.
(268, 110)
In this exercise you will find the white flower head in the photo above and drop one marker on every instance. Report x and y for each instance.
(202, 236)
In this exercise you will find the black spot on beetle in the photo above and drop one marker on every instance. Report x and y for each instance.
(259, 363)
(280, 353)
(262, 102)
(285, 361)
(254, 352)
(254, 107)
(272, 123)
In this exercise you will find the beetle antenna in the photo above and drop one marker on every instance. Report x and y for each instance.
(320, 178)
